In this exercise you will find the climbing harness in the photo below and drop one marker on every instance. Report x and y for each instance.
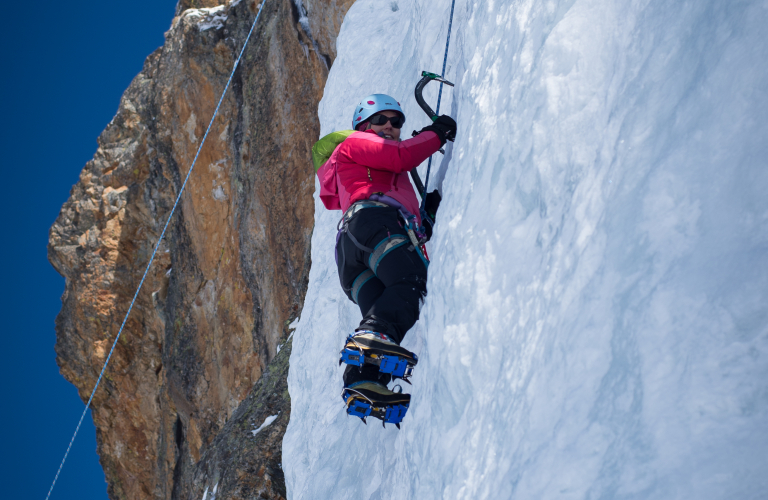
(375, 254)
(149, 265)
(416, 237)
(383, 249)
(356, 207)
(359, 282)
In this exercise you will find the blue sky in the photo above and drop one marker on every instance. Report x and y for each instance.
(64, 68)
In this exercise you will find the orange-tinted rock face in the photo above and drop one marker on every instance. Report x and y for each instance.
(232, 270)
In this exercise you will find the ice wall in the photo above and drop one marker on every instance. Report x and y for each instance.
(596, 325)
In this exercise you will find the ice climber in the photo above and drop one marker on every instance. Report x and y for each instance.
(379, 247)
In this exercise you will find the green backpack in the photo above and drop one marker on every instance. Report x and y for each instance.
(324, 148)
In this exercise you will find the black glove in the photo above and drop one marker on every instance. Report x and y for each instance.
(444, 127)
(431, 203)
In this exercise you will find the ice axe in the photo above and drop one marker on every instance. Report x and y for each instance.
(426, 77)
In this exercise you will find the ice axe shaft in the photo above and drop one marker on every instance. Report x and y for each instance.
(417, 182)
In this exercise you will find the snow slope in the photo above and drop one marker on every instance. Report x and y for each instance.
(597, 320)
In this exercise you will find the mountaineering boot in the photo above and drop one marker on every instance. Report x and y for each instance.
(371, 398)
(365, 346)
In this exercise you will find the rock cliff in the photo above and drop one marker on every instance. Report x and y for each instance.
(199, 366)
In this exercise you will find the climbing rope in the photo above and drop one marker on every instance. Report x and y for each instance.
(439, 97)
(152, 258)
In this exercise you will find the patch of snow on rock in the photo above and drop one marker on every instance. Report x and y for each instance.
(267, 421)
(213, 18)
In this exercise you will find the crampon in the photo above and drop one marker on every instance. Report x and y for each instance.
(371, 399)
(377, 349)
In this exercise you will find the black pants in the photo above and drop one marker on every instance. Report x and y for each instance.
(388, 301)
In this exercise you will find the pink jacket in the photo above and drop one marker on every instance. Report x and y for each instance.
(365, 164)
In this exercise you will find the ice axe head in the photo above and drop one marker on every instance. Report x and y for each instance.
(427, 77)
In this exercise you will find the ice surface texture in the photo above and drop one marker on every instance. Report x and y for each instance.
(597, 321)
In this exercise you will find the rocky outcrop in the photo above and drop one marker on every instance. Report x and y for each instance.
(188, 377)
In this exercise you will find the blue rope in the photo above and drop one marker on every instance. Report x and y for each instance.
(439, 97)
(146, 271)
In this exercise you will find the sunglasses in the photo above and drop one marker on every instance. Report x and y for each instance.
(396, 121)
